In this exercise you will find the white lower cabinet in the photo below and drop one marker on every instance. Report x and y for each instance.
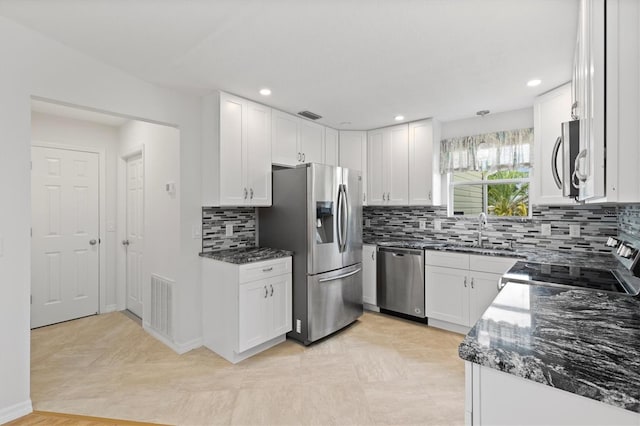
(494, 397)
(369, 271)
(246, 308)
(460, 287)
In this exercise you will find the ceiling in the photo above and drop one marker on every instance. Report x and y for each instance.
(357, 61)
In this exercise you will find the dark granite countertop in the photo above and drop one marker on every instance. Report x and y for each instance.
(581, 341)
(246, 254)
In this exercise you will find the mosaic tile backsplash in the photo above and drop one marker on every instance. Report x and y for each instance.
(215, 221)
(629, 223)
(597, 223)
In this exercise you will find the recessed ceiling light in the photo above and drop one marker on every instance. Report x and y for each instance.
(399, 117)
(265, 92)
(534, 83)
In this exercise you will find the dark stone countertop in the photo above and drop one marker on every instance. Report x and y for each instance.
(581, 341)
(246, 254)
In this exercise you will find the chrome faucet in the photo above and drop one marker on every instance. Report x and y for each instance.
(482, 222)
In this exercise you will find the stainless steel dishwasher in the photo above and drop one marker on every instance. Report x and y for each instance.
(400, 278)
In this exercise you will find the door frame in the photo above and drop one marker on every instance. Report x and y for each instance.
(121, 255)
(102, 214)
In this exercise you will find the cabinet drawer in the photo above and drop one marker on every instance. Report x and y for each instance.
(447, 259)
(265, 269)
(491, 264)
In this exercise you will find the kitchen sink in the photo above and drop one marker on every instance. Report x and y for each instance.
(492, 251)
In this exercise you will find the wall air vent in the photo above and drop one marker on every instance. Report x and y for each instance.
(310, 115)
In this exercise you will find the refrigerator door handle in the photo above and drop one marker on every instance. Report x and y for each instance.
(339, 277)
(339, 218)
(345, 216)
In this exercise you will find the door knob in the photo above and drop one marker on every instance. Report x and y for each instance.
(125, 242)
(93, 242)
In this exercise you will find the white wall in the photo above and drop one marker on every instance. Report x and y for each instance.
(46, 128)
(33, 65)
(509, 120)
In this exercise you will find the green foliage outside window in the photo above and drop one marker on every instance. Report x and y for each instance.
(508, 199)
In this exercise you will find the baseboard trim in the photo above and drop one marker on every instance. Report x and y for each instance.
(15, 411)
(179, 348)
(109, 308)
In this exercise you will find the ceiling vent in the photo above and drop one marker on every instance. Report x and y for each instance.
(310, 115)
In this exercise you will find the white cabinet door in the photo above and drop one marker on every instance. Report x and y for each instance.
(255, 323)
(549, 112)
(447, 294)
(369, 290)
(284, 139)
(331, 146)
(232, 147)
(375, 173)
(279, 305)
(424, 173)
(484, 288)
(311, 141)
(353, 155)
(258, 154)
(397, 161)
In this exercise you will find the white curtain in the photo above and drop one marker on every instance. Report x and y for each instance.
(506, 150)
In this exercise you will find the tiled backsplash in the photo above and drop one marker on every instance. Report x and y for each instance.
(215, 221)
(596, 222)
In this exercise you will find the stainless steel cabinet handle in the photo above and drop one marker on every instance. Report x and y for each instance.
(93, 242)
(251, 193)
(364, 197)
(471, 282)
(299, 157)
(125, 242)
(373, 255)
(304, 156)
(465, 282)
(429, 195)
(266, 292)
(270, 268)
(270, 285)
(245, 193)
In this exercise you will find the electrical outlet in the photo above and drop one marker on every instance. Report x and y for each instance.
(545, 229)
(229, 230)
(437, 225)
(574, 231)
(367, 222)
(423, 224)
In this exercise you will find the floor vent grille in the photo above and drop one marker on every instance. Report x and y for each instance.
(162, 305)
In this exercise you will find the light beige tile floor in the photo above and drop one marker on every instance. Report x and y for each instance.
(380, 370)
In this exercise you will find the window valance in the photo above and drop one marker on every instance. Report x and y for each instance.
(505, 150)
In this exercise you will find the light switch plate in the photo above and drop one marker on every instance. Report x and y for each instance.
(545, 229)
(423, 224)
(229, 230)
(574, 231)
(437, 225)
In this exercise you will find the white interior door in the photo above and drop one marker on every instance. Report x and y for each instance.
(134, 243)
(65, 235)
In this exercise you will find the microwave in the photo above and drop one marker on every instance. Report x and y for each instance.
(567, 145)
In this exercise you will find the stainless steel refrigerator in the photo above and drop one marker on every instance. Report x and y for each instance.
(317, 214)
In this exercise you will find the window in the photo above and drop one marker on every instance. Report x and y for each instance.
(502, 193)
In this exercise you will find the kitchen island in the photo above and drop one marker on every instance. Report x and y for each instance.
(548, 355)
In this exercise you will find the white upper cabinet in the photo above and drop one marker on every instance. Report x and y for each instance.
(353, 155)
(284, 139)
(388, 161)
(331, 146)
(236, 152)
(549, 112)
(295, 140)
(311, 141)
(424, 163)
